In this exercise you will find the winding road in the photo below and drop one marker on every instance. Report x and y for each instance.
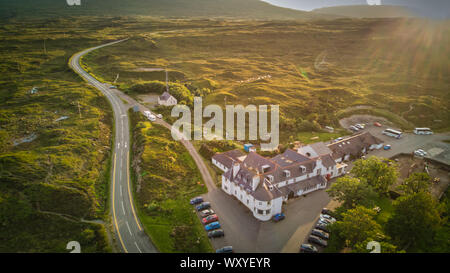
(128, 229)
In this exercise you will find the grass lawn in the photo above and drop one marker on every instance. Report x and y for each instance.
(168, 179)
(311, 137)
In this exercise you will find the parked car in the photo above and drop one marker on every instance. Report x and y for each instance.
(359, 126)
(353, 128)
(159, 116)
(212, 226)
(308, 248)
(320, 233)
(206, 212)
(326, 211)
(377, 124)
(420, 153)
(338, 139)
(323, 227)
(324, 221)
(196, 200)
(316, 240)
(113, 87)
(203, 206)
(216, 233)
(225, 249)
(210, 219)
(327, 217)
(387, 147)
(278, 217)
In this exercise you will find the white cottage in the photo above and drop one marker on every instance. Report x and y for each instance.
(167, 100)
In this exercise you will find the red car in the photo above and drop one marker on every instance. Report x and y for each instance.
(377, 124)
(210, 219)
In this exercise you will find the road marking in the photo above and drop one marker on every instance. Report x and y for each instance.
(129, 191)
(137, 247)
(114, 208)
(126, 222)
(118, 145)
(121, 190)
(125, 144)
(120, 174)
(123, 208)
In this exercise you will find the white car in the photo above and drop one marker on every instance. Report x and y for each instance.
(324, 221)
(327, 217)
(359, 126)
(420, 152)
(353, 128)
(159, 116)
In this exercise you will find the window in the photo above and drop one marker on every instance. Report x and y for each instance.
(260, 212)
(302, 168)
(319, 171)
(248, 201)
(225, 187)
(268, 211)
(269, 202)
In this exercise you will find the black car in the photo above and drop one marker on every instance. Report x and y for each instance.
(323, 227)
(226, 249)
(308, 248)
(320, 233)
(203, 206)
(216, 233)
(327, 211)
(316, 240)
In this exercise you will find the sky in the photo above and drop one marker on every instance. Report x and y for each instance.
(429, 8)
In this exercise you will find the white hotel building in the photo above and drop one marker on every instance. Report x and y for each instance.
(262, 184)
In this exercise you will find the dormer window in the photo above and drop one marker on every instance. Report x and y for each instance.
(265, 168)
(302, 169)
(287, 173)
(270, 178)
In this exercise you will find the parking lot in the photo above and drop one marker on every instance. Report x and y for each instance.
(248, 235)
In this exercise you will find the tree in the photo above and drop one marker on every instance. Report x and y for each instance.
(415, 220)
(385, 247)
(357, 228)
(377, 173)
(351, 191)
(415, 183)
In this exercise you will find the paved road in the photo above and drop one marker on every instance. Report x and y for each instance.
(128, 229)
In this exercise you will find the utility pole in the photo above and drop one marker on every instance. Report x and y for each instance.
(79, 110)
(167, 81)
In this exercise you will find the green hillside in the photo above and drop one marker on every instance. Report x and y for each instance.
(317, 69)
(54, 142)
(250, 9)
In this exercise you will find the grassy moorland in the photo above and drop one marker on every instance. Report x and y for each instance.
(316, 68)
(166, 179)
(54, 143)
